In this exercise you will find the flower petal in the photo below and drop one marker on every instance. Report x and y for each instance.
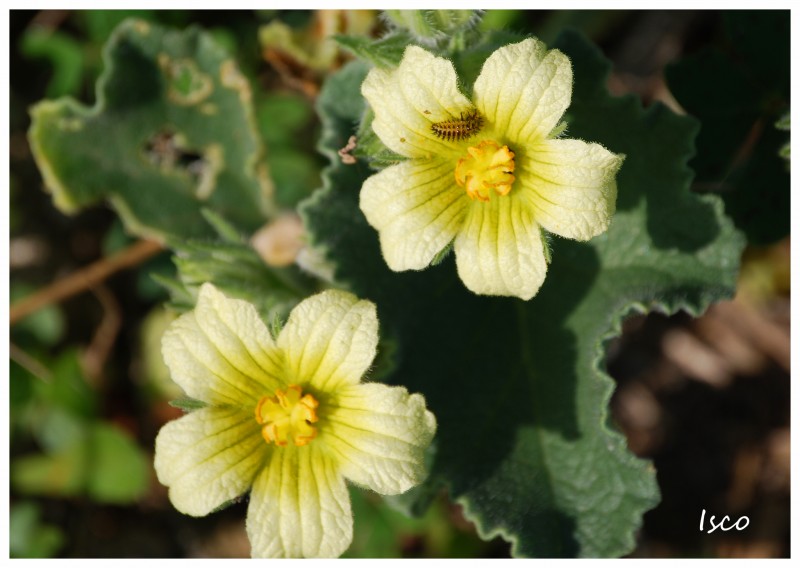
(571, 186)
(379, 434)
(417, 208)
(330, 339)
(500, 250)
(299, 506)
(407, 100)
(221, 352)
(523, 89)
(235, 327)
(208, 457)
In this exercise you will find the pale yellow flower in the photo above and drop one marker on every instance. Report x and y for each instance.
(289, 418)
(488, 174)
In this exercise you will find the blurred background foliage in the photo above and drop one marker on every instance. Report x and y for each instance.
(706, 400)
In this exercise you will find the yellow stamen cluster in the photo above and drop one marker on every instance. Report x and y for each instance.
(487, 167)
(288, 416)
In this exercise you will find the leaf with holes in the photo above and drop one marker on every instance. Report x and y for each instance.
(519, 388)
(172, 131)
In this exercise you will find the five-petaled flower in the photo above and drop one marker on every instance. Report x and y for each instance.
(288, 417)
(487, 176)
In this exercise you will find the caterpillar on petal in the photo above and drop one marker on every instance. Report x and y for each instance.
(460, 128)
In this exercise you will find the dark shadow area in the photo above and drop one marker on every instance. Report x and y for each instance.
(738, 88)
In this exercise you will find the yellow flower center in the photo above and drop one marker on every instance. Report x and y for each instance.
(288, 416)
(487, 167)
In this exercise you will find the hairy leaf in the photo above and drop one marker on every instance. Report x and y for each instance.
(234, 267)
(238, 270)
(385, 52)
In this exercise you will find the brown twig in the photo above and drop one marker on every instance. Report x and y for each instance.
(30, 364)
(84, 279)
(96, 355)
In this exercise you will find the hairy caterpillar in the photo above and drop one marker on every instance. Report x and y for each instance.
(459, 128)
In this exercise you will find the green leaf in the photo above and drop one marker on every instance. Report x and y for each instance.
(20, 388)
(28, 536)
(104, 463)
(281, 116)
(237, 270)
(56, 475)
(519, 388)
(63, 52)
(68, 388)
(382, 532)
(370, 148)
(100, 24)
(286, 122)
(187, 404)
(442, 254)
(296, 174)
(117, 469)
(172, 131)
(57, 429)
(429, 26)
(224, 230)
(45, 326)
(501, 19)
(738, 90)
(385, 52)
